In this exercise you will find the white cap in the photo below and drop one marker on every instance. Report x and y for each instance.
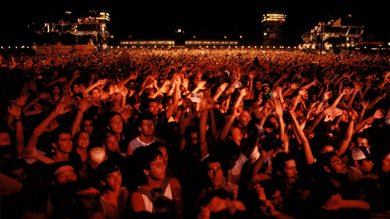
(97, 154)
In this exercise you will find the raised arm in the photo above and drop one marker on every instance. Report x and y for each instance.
(301, 135)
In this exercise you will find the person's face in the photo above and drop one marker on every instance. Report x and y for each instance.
(236, 135)
(215, 173)
(386, 163)
(194, 138)
(366, 166)
(64, 143)
(290, 171)
(338, 166)
(277, 199)
(127, 111)
(87, 126)
(153, 108)
(96, 94)
(362, 142)
(112, 143)
(56, 90)
(245, 117)
(274, 122)
(116, 124)
(147, 127)
(114, 180)
(157, 169)
(5, 140)
(89, 201)
(66, 175)
(83, 140)
(76, 88)
(258, 85)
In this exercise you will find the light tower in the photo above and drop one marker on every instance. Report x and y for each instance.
(273, 23)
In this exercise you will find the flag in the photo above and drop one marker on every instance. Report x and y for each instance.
(337, 23)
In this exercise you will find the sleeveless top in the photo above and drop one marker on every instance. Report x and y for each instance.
(158, 200)
(109, 211)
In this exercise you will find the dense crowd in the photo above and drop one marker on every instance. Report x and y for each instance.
(195, 133)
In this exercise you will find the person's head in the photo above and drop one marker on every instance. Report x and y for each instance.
(274, 121)
(6, 147)
(87, 125)
(266, 88)
(76, 99)
(76, 88)
(244, 118)
(86, 196)
(214, 171)
(115, 122)
(111, 143)
(268, 127)
(127, 111)
(146, 125)
(5, 139)
(332, 164)
(151, 162)
(82, 139)
(362, 159)
(56, 90)
(284, 165)
(153, 107)
(362, 140)
(95, 93)
(62, 141)
(64, 173)
(163, 149)
(385, 162)
(110, 175)
(235, 135)
(192, 135)
(257, 85)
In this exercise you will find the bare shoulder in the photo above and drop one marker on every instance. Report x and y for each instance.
(174, 182)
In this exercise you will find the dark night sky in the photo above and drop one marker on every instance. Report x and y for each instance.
(205, 19)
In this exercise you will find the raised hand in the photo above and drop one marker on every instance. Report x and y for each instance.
(379, 113)
(63, 106)
(202, 85)
(22, 99)
(101, 82)
(14, 110)
(244, 92)
(327, 95)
